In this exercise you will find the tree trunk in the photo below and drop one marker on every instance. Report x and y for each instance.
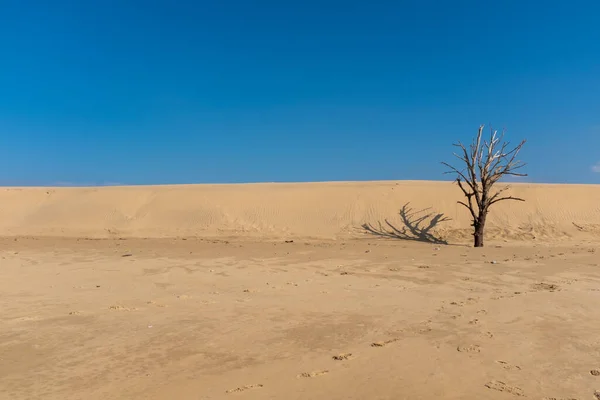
(479, 229)
(478, 237)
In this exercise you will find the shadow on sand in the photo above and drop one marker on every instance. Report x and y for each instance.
(417, 226)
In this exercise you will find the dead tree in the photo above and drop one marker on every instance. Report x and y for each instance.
(485, 163)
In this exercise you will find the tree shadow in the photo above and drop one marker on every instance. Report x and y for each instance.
(417, 226)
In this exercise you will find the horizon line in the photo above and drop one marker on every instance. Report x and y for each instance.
(69, 185)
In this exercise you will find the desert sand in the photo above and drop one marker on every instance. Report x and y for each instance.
(346, 290)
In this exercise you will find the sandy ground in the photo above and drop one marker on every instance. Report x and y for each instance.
(340, 290)
(366, 318)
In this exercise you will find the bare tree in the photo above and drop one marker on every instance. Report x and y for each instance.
(485, 163)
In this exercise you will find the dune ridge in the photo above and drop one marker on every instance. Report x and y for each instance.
(328, 210)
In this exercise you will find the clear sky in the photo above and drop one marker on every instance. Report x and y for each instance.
(144, 92)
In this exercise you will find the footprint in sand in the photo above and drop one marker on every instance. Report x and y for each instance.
(488, 335)
(423, 330)
(508, 366)
(342, 357)
(473, 348)
(243, 388)
(503, 387)
(505, 296)
(312, 374)
(568, 281)
(153, 303)
(550, 287)
(383, 343)
(559, 398)
(120, 308)
(420, 328)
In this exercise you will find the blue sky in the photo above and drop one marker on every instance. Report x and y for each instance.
(145, 92)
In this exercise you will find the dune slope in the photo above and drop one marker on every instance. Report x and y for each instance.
(411, 209)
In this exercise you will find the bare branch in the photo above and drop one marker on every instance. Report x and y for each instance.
(469, 208)
(467, 193)
(460, 174)
(506, 198)
(498, 193)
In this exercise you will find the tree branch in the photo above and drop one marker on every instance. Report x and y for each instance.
(460, 174)
(505, 198)
(469, 208)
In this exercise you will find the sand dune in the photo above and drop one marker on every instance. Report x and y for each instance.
(259, 317)
(307, 210)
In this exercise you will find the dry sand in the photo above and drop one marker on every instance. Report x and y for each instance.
(334, 210)
(277, 291)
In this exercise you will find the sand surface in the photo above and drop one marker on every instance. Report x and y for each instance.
(331, 210)
(272, 307)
